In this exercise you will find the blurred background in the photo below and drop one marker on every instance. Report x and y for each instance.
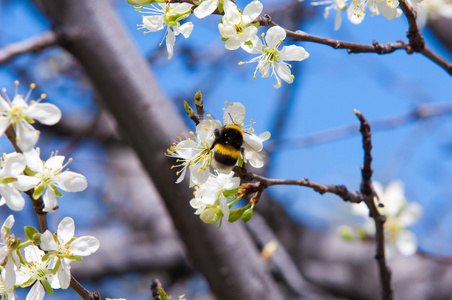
(314, 135)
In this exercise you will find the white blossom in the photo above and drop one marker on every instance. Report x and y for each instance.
(193, 152)
(48, 176)
(168, 15)
(236, 27)
(211, 197)
(400, 215)
(8, 254)
(21, 115)
(271, 61)
(207, 7)
(12, 166)
(358, 8)
(338, 5)
(36, 271)
(64, 248)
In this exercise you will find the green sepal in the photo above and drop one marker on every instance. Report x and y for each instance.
(257, 24)
(224, 39)
(47, 257)
(221, 222)
(249, 44)
(57, 266)
(74, 257)
(57, 192)
(220, 7)
(29, 120)
(240, 161)
(47, 286)
(190, 112)
(345, 232)
(30, 172)
(248, 214)
(28, 282)
(30, 232)
(8, 180)
(38, 191)
(230, 194)
(236, 214)
(197, 2)
(162, 293)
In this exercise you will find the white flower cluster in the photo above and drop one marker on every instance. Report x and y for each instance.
(237, 28)
(24, 171)
(399, 216)
(45, 271)
(213, 181)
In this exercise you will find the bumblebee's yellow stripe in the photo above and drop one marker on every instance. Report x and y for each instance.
(236, 127)
(227, 150)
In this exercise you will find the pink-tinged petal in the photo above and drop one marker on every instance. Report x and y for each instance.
(85, 245)
(27, 136)
(170, 41)
(234, 113)
(45, 113)
(12, 197)
(47, 242)
(64, 275)
(25, 183)
(71, 181)
(206, 8)
(253, 10)
(14, 165)
(284, 72)
(274, 36)
(36, 292)
(50, 201)
(153, 23)
(66, 230)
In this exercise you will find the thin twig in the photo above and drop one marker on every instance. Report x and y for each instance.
(35, 44)
(339, 190)
(82, 292)
(368, 193)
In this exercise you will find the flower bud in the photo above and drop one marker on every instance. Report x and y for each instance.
(248, 214)
(210, 215)
(236, 214)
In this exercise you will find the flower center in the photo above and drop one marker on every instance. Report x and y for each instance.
(16, 114)
(270, 55)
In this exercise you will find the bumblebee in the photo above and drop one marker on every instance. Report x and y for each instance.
(227, 147)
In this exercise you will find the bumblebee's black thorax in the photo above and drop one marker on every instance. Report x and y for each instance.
(231, 135)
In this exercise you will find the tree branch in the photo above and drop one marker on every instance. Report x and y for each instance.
(369, 194)
(35, 44)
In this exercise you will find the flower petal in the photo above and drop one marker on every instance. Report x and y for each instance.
(253, 10)
(50, 201)
(153, 23)
(27, 136)
(274, 36)
(12, 197)
(14, 165)
(206, 8)
(71, 181)
(170, 41)
(47, 242)
(45, 113)
(293, 53)
(284, 72)
(85, 245)
(36, 292)
(64, 275)
(25, 183)
(66, 230)
(186, 29)
(234, 113)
